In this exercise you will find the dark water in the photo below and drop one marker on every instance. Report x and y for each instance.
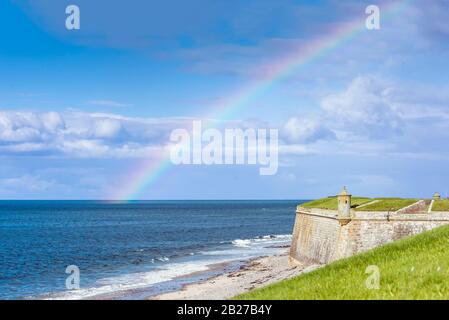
(125, 245)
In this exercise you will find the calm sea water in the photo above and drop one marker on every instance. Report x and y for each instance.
(123, 246)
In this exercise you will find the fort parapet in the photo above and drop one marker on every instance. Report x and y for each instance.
(324, 235)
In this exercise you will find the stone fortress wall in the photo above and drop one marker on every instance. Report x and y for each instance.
(326, 235)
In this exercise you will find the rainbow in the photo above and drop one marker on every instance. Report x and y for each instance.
(148, 172)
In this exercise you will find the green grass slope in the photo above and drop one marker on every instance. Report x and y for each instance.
(331, 203)
(441, 205)
(412, 268)
(384, 204)
(388, 204)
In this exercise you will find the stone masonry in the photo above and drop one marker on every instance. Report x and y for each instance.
(326, 235)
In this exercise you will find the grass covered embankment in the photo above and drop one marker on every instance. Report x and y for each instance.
(378, 204)
(388, 204)
(441, 205)
(332, 204)
(412, 268)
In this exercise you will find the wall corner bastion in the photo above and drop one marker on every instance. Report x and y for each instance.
(326, 235)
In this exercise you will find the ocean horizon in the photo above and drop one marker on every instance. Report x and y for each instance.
(132, 249)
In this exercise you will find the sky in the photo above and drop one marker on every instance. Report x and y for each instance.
(81, 110)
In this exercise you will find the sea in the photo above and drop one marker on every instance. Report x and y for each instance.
(131, 250)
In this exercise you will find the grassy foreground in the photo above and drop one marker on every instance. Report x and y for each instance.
(412, 268)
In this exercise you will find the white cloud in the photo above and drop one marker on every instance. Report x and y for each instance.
(362, 109)
(306, 130)
(368, 116)
(52, 121)
(29, 126)
(85, 134)
(108, 103)
(25, 183)
(107, 128)
(373, 117)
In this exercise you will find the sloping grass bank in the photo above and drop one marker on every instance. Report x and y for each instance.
(387, 204)
(412, 268)
(332, 204)
(383, 204)
(441, 205)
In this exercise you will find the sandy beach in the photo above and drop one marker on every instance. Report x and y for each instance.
(254, 274)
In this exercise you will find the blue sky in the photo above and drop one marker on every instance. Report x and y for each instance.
(80, 109)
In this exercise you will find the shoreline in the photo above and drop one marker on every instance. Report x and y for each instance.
(179, 282)
(221, 281)
(252, 274)
(274, 260)
(228, 269)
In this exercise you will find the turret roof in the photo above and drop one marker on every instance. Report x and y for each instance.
(344, 192)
